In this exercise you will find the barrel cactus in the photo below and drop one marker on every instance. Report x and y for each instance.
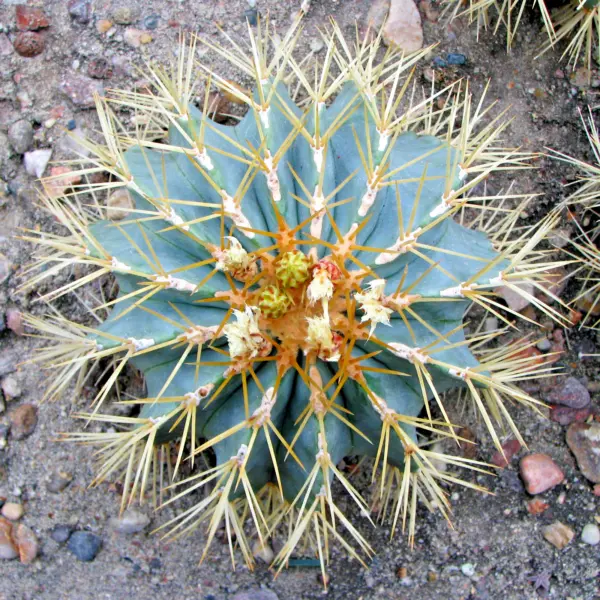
(292, 289)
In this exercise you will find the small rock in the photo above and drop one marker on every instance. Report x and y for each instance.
(120, 204)
(23, 421)
(544, 344)
(8, 550)
(403, 27)
(4, 429)
(263, 552)
(591, 534)
(99, 68)
(251, 15)
(12, 511)
(104, 25)
(558, 534)
(123, 16)
(316, 45)
(565, 415)
(540, 473)
(468, 569)
(510, 448)
(27, 544)
(14, 321)
(81, 90)
(58, 481)
(29, 43)
(131, 521)
(151, 21)
(136, 37)
(515, 300)
(571, 393)
(61, 533)
(537, 506)
(439, 63)
(11, 387)
(80, 11)
(60, 180)
(31, 18)
(84, 545)
(36, 161)
(456, 59)
(256, 595)
(5, 269)
(378, 12)
(6, 48)
(584, 441)
(20, 136)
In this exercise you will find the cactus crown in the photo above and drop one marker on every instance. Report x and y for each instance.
(293, 287)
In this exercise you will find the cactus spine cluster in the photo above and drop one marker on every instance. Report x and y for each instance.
(292, 289)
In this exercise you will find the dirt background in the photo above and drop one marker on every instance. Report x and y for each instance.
(495, 534)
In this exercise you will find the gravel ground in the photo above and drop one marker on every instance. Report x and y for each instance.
(495, 547)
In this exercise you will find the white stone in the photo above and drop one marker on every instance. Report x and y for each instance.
(591, 534)
(403, 27)
(36, 161)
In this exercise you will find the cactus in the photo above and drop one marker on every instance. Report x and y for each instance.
(292, 289)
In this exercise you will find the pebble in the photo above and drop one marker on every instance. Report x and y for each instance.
(263, 552)
(11, 387)
(439, 63)
(12, 511)
(84, 545)
(456, 59)
(27, 544)
(123, 16)
(58, 481)
(20, 136)
(81, 90)
(316, 45)
(30, 18)
(510, 448)
(378, 11)
(99, 68)
(14, 321)
(151, 21)
(544, 345)
(256, 595)
(63, 178)
(23, 421)
(121, 203)
(80, 11)
(36, 161)
(29, 43)
(4, 429)
(136, 37)
(5, 268)
(591, 534)
(540, 473)
(565, 415)
(104, 25)
(571, 393)
(584, 441)
(251, 15)
(61, 533)
(514, 300)
(468, 569)
(131, 521)
(8, 550)
(403, 27)
(558, 534)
